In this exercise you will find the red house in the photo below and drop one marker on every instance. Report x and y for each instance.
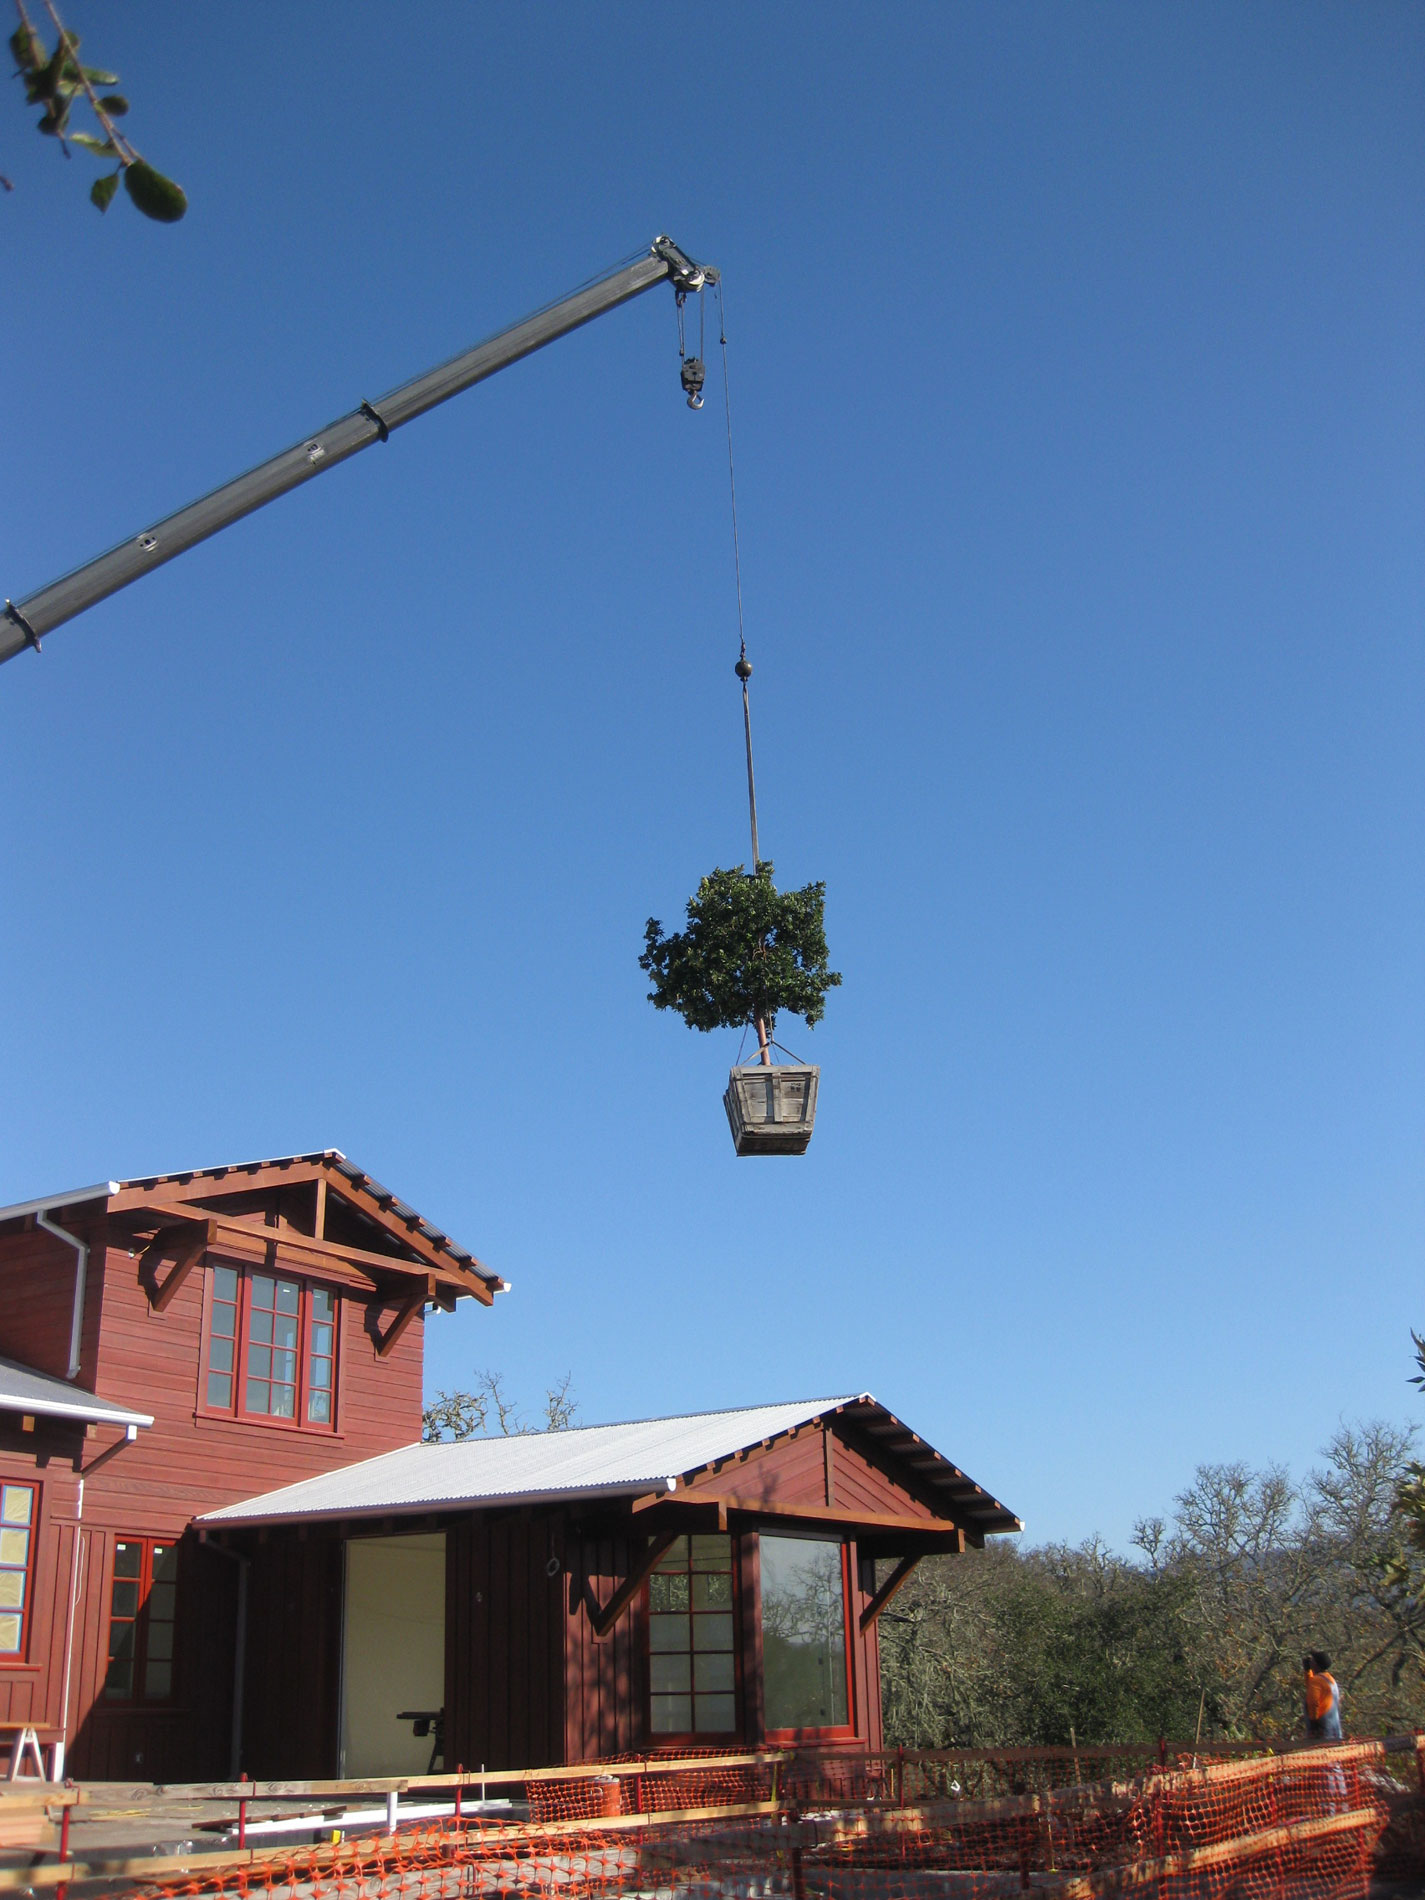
(223, 1547)
(172, 1343)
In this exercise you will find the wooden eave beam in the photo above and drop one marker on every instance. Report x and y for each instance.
(900, 1575)
(241, 1180)
(321, 1256)
(602, 1621)
(818, 1513)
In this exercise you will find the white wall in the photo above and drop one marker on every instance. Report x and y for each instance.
(393, 1650)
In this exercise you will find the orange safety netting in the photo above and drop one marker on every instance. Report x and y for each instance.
(1299, 1826)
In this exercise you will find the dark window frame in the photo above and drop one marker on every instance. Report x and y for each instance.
(309, 1290)
(702, 1738)
(837, 1732)
(14, 1658)
(141, 1622)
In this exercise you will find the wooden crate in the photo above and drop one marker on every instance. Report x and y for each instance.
(771, 1110)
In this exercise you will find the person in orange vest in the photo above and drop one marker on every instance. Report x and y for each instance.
(1323, 1699)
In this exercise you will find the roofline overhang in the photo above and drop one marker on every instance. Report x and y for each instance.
(430, 1507)
(101, 1191)
(96, 1414)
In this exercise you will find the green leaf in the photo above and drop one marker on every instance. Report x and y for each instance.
(101, 192)
(115, 104)
(105, 147)
(28, 48)
(96, 78)
(153, 194)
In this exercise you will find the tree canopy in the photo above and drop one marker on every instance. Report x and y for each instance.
(1210, 1618)
(749, 951)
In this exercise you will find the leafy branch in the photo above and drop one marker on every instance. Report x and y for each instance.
(55, 81)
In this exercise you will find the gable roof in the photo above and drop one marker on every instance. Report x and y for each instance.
(41, 1395)
(407, 1241)
(643, 1456)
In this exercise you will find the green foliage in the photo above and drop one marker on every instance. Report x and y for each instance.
(56, 82)
(749, 951)
(1001, 1647)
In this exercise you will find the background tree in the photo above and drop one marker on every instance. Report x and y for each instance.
(458, 1415)
(1213, 1617)
(56, 81)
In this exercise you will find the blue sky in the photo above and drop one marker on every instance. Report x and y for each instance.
(1078, 395)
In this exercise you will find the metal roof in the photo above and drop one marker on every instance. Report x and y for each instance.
(646, 1455)
(332, 1157)
(23, 1389)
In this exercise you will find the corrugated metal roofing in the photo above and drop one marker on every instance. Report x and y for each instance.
(333, 1157)
(23, 1389)
(645, 1455)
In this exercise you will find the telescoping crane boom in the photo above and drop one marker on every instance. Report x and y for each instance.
(25, 621)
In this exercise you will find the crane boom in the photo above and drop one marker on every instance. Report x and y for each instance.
(25, 621)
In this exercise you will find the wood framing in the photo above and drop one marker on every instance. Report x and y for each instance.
(602, 1621)
(900, 1575)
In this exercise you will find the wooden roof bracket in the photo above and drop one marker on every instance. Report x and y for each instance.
(601, 1621)
(409, 1309)
(900, 1575)
(187, 1241)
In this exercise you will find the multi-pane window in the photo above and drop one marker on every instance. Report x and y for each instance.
(692, 1669)
(17, 1553)
(142, 1603)
(271, 1348)
(804, 1632)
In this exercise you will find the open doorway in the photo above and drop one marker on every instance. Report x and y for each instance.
(393, 1651)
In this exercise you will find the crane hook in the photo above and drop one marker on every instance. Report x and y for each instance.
(693, 376)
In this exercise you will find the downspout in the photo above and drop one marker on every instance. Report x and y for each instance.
(81, 1277)
(61, 1748)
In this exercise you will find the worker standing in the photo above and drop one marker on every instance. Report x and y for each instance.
(1322, 1697)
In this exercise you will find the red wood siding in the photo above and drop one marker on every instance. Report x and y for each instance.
(181, 1466)
(792, 1472)
(504, 1644)
(292, 1681)
(37, 1301)
(606, 1694)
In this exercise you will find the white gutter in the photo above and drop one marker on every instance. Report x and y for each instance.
(101, 1191)
(81, 1275)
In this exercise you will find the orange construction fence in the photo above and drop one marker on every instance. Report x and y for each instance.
(956, 1825)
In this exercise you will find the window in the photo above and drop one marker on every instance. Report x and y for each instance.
(804, 1632)
(17, 1566)
(271, 1349)
(142, 1600)
(692, 1669)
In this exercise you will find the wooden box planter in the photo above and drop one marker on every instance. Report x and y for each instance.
(771, 1110)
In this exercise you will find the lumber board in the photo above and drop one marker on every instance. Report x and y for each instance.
(254, 1861)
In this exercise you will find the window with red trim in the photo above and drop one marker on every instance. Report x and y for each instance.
(143, 1604)
(692, 1648)
(19, 1515)
(806, 1675)
(270, 1350)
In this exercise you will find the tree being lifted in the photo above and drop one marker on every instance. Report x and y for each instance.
(750, 951)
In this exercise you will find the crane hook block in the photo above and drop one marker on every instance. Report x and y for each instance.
(694, 376)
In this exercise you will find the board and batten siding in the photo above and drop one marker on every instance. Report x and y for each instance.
(504, 1659)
